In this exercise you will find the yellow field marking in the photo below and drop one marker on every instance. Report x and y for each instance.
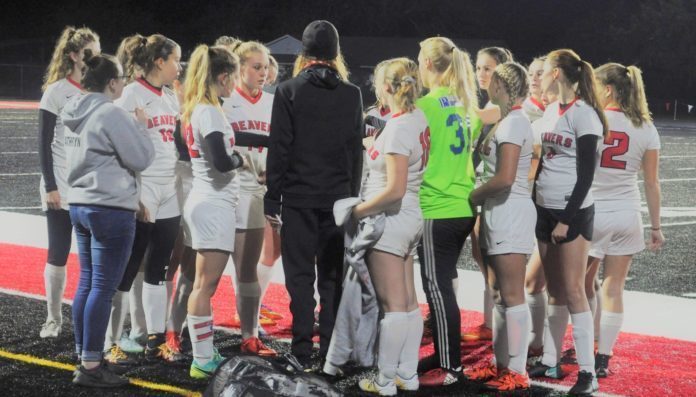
(70, 367)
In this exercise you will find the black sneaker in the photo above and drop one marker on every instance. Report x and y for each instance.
(585, 385)
(298, 363)
(100, 376)
(539, 370)
(602, 365)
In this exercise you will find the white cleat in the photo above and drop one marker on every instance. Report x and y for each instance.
(50, 329)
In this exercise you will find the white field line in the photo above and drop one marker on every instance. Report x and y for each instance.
(22, 174)
(38, 207)
(19, 152)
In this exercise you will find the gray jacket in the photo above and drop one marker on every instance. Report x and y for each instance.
(355, 331)
(105, 148)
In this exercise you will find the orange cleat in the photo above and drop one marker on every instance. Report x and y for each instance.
(478, 333)
(254, 345)
(482, 372)
(173, 341)
(508, 381)
(268, 313)
(263, 321)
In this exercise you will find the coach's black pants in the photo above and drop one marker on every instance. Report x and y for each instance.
(309, 238)
(438, 253)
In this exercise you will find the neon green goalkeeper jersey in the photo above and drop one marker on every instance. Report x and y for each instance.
(449, 177)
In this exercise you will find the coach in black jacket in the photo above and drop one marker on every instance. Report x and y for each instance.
(314, 159)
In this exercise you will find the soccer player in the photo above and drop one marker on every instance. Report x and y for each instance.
(533, 105)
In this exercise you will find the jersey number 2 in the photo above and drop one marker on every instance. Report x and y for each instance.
(619, 146)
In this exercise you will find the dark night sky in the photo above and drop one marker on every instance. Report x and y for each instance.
(658, 36)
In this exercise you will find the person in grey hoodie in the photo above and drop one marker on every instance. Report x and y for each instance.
(105, 148)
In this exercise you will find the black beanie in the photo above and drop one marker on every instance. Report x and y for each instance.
(320, 40)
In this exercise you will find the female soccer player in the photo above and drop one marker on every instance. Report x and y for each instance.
(397, 160)
(565, 210)
(533, 105)
(507, 224)
(444, 195)
(633, 144)
(61, 82)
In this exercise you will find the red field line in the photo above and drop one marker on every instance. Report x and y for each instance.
(19, 105)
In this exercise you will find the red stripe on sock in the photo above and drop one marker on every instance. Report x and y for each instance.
(204, 336)
(203, 325)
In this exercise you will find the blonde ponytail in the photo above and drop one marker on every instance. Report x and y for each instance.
(401, 74)
(629, 90)
(71, 40)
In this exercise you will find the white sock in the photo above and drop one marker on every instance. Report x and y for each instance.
(455, 286)
(500, 337)
(537, 308)
(264, 274)
(170, 290)
(609, 328)
(583, 336)
(179, 309)
(54, 281)
(137, 313)
(593, 305)
(597, 316)
(119, 310)
(248, 295)
(487, 308)
(518, 319)
(408, 359)
(393, 332)
(554, 331)
(155, 305)
(201, 331)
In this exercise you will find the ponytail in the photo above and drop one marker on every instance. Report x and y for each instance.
(71, 40)
(628, 89)
(126, 54)
(99, 70)
(577, 71)
(205, 65)
(401, 74)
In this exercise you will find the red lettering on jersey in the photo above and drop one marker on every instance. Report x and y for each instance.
(235, 126)
(265, 126)
(242, 125)
(568, 142)
(188, 138)
(425, 144)
(149, 124)
(559, 139)
(373, 153)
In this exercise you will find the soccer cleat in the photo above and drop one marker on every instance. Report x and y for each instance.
(478, 333)
(410, 384)
(602, 365)
(482, 372)
(100, 376)
(539, 370)
(198, 371)
(116, 356)
(173, 341)
(585, 385)
(165, 353)
(373, 386)
(130, 345)
(439, 377)
(50, 329)
(508, 381)
(263, 321)
(534, 355)
(254, 345)
(269, 313)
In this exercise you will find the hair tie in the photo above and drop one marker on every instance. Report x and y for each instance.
(71, 33)
(451, 50)
(143, 41)
(408, 80)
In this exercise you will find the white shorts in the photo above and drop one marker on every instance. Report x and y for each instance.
(617, 233)
(507, 227)
(402, 232)
(250, 210)
(184, 181)
(160, 197)
(210, 222)
(60, 174)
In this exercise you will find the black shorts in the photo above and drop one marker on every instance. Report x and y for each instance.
(581, 224)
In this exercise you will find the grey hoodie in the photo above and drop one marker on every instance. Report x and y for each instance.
(105, 147)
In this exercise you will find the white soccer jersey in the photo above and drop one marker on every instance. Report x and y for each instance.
(381, 113)
(407, 134)
(515, 129)
(53, 99)
(207, 180)
(248, 114)
(560, 130)
(162, 110)
(533, 108)
(615, 185)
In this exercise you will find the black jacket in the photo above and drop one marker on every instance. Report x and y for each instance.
(315, 149)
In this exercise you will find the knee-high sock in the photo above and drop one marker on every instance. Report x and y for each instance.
(178, 311)
(537, 308)
(248, 295)
(264, 274)
(517, 319)
(593, 305)
(155, 306)
(500, 337)
(393, 332)
(54, 281)
(201, 331)
(583, 336)
(408, 359)
(119, 310)
(137, 313)
(554, 330)
(597, 316)
(488, 307)
(609, 328)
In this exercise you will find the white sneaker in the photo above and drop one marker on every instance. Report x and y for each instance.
(129, 345)
(372, 386)
(410, 384)
(50, 329)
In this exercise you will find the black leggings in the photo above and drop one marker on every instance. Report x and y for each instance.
(59, 236)
(160, 237)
